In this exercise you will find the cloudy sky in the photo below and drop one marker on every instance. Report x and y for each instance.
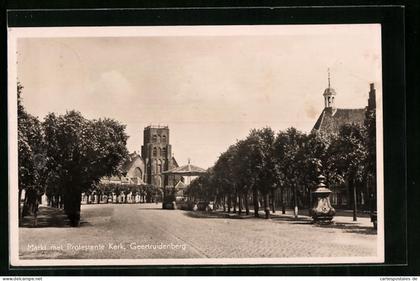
(210, 86)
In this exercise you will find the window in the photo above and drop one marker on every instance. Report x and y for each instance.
(154, 151)
(164, 139)
(164, 152)
(154, 138)
(159, 167)
(138, 173)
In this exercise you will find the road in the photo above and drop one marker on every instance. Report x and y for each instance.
(146, 231)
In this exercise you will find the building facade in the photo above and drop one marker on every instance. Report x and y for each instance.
(330, 121)
(156, 157)
(332, 118)
(156, 152)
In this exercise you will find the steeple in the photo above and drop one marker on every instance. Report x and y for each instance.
(329, 94)
(372, 97)
(329, 86)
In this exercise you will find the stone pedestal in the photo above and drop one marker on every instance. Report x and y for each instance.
(322, 211)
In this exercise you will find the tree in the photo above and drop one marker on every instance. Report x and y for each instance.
(370, 164)
(81, 151)
(243, 171)
(31, 167)
(224, 177)
(265, 166)
(314, 155)
(289, 146)
(348, 158)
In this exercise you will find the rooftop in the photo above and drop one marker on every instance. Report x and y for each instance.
(156, 127)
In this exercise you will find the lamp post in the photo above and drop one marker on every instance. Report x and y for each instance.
(322, 211)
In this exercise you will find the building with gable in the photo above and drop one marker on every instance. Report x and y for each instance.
(156, 157)
(332, 118)
(330, 121)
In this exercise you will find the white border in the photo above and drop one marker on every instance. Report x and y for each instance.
(251, 30)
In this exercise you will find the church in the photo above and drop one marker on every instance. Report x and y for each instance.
(156, 157)
(332, 118)
(330, 121)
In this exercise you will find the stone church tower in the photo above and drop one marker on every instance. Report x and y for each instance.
(329, 95)
(157, 155)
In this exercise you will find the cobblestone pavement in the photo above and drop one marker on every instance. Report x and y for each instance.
(147, 231)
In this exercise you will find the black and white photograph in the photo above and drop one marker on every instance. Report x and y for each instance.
(165, 145)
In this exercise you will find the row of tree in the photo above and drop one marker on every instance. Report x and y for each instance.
(65, 155)
(253, 169)
(148, 193)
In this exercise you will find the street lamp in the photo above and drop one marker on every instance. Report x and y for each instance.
(322, 211)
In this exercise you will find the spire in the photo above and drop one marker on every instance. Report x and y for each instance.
(329, 93)
(329, 85)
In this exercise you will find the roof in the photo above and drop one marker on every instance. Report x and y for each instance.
(174, 163)
(180, 185)
(131, 158)
(329, 91)
(186, 170)
(331, 119)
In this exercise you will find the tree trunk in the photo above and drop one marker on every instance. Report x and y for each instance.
(240, 205)
(72, 200)
(267, 205)
(246, 203)
(354, 202)
(229, 204)
(255, 201)
(19, 207)
(296, 209)
(283, 207)
(273, 201)
(310, 199)
(224, 203)
(235, 202)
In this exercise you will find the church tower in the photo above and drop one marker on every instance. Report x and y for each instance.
(329, 95)
(157, 154)
(372, 97)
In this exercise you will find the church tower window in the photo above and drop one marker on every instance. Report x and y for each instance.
(329, 94)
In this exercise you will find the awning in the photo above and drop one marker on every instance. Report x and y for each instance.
(186, 170)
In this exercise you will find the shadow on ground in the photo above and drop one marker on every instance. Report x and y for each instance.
(216, 215)
(301, 220)
(350, 228)
(49, 217)
(224, 215)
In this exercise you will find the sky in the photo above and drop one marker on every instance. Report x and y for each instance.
(210, 86)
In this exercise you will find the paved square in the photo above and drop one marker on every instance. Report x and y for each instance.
(138, 231)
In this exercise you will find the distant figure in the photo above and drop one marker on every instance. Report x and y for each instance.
(31, 204)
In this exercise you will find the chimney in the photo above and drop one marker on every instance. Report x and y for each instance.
(372, 97)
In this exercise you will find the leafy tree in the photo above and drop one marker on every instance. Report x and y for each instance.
(264, 166)
(348, 158)
(243, 171)
(81, 151)
(314, 155)
(290, 144)
(223, 176)
(31, 169)
(370, 164)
